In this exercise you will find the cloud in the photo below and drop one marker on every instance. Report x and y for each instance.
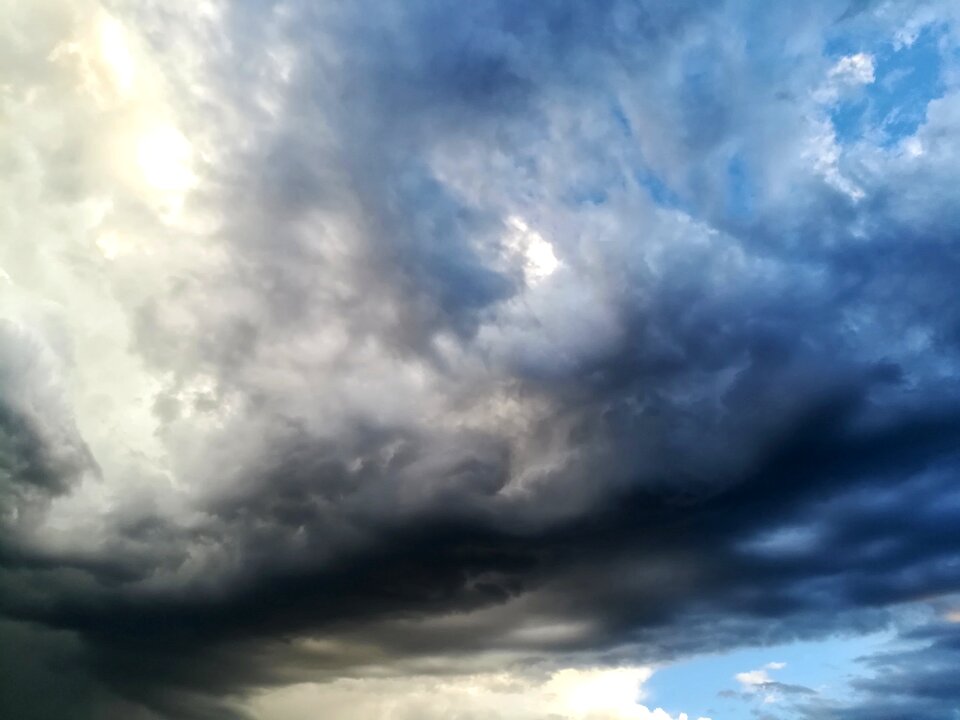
(911, 677)
(41, 451)
(854, 69)
(351, 346)
(760, 677)
(570, 693)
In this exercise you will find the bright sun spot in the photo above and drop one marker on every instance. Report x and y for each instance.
(913, 147)
(539, 261)
(613, 691)
(116, 53)
(163, 154)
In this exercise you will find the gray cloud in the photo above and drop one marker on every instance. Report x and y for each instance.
(328, 395)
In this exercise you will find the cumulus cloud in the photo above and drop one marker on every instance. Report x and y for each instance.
(356, 355)
(760, 677)
(759, 686)
(570, 693)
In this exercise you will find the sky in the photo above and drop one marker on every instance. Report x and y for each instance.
(489, 360)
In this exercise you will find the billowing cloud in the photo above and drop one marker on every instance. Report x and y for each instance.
(355, 355)
(595, 694)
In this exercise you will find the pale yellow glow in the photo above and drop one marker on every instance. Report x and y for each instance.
(111, 245)
(115, 53)
(570, 694)
(953, 616)
(611, 691)
(164, 154)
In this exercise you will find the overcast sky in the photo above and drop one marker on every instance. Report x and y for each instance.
(479, 360)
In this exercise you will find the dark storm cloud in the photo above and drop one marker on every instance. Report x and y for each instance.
(651, 559)
(41, 452)
(914, 678)
(919, 681)
(757, 451)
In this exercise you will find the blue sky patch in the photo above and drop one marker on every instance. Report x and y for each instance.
(894, 105)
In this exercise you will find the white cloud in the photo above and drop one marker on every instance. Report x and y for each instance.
(825, 152)
(846, 76)
(855, 69)
(536, 254)
(760, 683)
(567, 694)
(752, 679)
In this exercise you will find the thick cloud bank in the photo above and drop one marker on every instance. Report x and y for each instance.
(416, 359)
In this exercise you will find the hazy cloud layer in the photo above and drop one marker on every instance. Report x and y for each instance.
(438, 345)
